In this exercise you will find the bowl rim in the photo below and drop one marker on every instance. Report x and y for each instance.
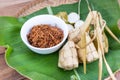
(37, 48)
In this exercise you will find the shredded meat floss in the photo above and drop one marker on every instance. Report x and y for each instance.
(45, 36)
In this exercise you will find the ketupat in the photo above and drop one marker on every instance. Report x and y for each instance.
(92, 54)
(90, 47)
(98, 41)
(74, 35)
(68, 57)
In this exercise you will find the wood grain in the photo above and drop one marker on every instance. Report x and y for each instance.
(6, 73)
(39, 4)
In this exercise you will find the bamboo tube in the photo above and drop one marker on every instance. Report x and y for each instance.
(82, 50)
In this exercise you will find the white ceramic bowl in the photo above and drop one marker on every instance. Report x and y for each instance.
(43, 19)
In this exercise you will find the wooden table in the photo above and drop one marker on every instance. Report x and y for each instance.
(11, 8)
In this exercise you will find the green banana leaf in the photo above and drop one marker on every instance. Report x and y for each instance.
(44, 67)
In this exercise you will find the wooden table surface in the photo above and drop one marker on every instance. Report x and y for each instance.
(11, 8)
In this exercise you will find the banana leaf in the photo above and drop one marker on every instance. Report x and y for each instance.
(44, 67)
